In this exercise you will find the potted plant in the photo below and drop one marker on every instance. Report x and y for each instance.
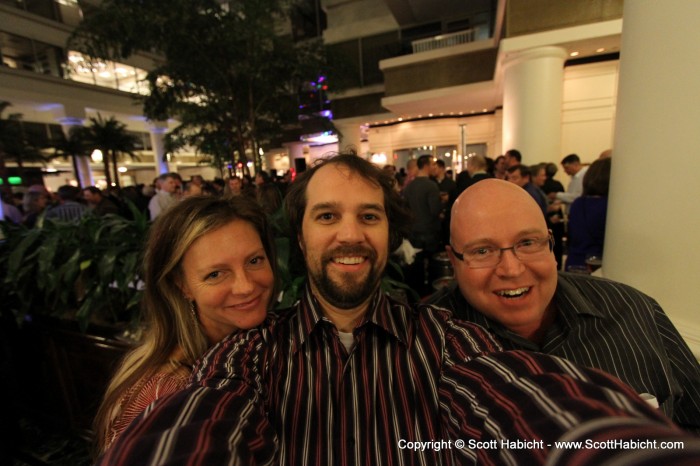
(86, 270)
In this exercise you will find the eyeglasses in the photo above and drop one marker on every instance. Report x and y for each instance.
(487, 256)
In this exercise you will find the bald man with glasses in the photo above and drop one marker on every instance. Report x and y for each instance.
(507, 281)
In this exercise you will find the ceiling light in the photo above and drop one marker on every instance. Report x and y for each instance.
(574, 54)
(602, 49)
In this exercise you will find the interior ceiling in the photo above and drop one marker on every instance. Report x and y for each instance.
(411, 12)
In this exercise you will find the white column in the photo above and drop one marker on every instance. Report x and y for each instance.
(157, 130)
(653, 217)
(532, 100)
(350, 137)
(84, 174)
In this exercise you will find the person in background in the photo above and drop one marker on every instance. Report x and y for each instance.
(269, 197)
(261, 178)
(422, 196)
(10, 213)
(586, 227)
(508, 283)
(499, 167)
(411, 171)
(350, 376)
(477, 170)
(35, 202)
(98, 204)
(552, 185)
(191, 189)
(197, 179)
(555, 217)
(513, 158)
(234, 186)
(521, 176)
(68, 209)
(166, 195)
(573, 167)
(448, 194)
(209, 271)
(219, 186)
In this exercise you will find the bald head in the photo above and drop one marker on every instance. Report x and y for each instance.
(491, 201)
(518, 290)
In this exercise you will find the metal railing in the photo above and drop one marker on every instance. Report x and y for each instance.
(443, 40)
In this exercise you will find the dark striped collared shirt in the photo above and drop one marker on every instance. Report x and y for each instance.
(412, 387)
(612, 327)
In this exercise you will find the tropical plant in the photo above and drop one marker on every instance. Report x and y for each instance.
(14, 143)
(87, 270)
(73, 147)
(111, 137)
(232, 86)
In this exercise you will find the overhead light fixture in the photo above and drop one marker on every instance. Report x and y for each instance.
(574, 54)
(602, 49)
(96, 156)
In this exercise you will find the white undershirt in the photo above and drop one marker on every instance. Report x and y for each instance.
(346, 339)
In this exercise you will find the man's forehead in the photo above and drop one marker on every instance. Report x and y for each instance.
(339, 185)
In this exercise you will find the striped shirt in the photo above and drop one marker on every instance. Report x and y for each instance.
(612, 327)
(412, 388)
(69, 211)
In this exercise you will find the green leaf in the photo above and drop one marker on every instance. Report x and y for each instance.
(17, 255)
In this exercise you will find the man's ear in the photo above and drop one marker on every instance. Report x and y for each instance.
(300, 240)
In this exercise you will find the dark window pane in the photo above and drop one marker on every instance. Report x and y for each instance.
(37, 133)
(139, 139)
(345, 61)
(55, 132)
(49, 59)
(17, 52)
(45, 8)
(375, 49)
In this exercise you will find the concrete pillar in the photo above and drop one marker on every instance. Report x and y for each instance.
(157, 129)
(532, 101)
(350, 136)
(653, 216)
(70, 117)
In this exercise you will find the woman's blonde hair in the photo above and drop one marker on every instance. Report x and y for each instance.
(166, 311)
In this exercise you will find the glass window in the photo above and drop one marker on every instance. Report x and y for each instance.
(374, 49)
(17, 52)
(49, 59)
(345, 58)
(45, 8)
(37, 133)
(106, 73)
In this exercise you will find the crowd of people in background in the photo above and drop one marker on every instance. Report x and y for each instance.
(36, 204)
(575, 215)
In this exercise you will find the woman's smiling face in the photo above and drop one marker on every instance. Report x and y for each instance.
(228, 275)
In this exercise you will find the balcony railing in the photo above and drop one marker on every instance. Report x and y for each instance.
(443, 40)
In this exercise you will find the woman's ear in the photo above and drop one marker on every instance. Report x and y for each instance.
(180, 282)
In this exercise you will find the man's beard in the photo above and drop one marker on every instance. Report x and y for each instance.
(348, 294)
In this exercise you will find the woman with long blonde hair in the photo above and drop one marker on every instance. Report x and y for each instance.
(209, 268)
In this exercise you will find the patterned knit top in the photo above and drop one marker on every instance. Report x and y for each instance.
(169, 378)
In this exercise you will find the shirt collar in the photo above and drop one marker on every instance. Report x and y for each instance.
(569, 299)
(383, 312)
